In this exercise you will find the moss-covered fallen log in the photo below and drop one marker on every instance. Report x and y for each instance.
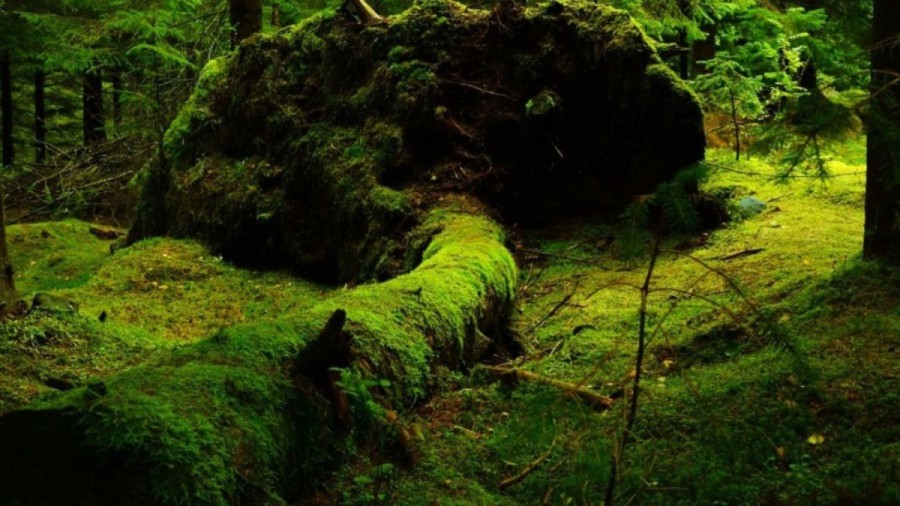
(238, 418)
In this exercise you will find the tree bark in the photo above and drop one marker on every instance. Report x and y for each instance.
(246, 19)
(276, 15)
(882, 228)
(703, 50)
(92, 102)
(40, 117)
(116, 80)
(6, 108)
(8, 294)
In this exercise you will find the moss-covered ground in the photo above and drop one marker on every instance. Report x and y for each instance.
(769, 379)
(770, 376)
(131, 304)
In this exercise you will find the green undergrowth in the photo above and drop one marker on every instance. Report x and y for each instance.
(773, 386)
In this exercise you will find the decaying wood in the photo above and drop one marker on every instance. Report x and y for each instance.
(594, 399)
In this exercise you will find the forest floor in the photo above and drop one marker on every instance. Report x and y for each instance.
(770, 376)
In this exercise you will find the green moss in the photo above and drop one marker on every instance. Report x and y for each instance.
(391, 201)
(404, 325)
(54, 255)
(179, 291)
(663, 73)
(344, 112)
(65, 346)
(195, 114)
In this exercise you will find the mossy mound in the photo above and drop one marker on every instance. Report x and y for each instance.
(54, 255)
(317, 147)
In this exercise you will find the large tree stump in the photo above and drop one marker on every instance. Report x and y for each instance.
(319, 147)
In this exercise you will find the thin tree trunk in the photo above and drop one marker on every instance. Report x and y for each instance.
(737, 126)
(684, 57)
(631, 418)
(40, 117)
(882, 228)
(703, 50)
(8, 294)
(93, 119)
(116, 80)
(246, 19)
(6, 108)
(276, 15)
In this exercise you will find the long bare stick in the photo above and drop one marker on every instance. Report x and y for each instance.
(635, 389)
(594, 399)
(528, 469)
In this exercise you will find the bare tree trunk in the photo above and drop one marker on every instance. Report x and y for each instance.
(737, 126)
(40, 117)
(684, 57)
(703, 50)
(276, 15)
(6, 108)
(116, 80)
(93, 119)
(364, 11)
(8, 294)
(631, 418)
(882, 229)
(246, 19)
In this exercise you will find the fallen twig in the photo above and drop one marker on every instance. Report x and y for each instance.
(594, 399)
(552, 312)
(741, 254)
(512, 480)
